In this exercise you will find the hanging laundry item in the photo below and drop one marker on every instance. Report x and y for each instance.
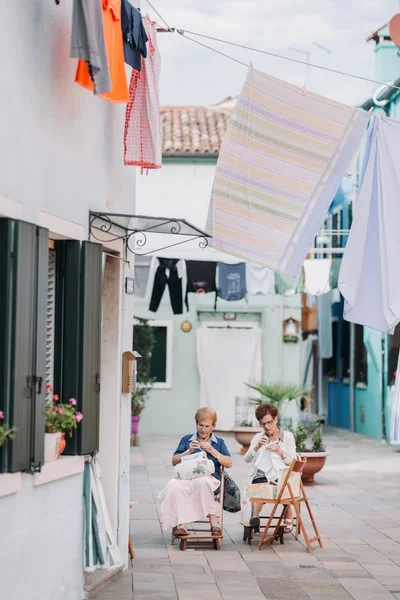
(324, 316)
(167, 274)
(134, 34)
(288, 286)
(200, 278)
(259, 280)
(88, 44)
(317, 273)
(395, 417)
(115, 53)
(231, 281)
(142, 136)
(142, 272)
(368, 278)
(283, 157)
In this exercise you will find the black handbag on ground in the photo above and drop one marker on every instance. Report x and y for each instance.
(231, 500)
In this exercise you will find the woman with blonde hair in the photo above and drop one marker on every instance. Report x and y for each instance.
(185, 501)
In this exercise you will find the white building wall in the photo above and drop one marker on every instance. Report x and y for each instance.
(61, 155)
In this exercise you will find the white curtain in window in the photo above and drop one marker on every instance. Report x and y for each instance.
(228, 358)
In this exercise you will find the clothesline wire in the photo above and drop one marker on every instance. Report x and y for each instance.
(184, 32)
(158, 15)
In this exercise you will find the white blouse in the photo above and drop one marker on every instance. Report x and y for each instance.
(270, 463)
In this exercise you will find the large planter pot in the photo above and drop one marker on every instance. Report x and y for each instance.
(134, 424)
(52, 446)
(244, 435)
(314, 464)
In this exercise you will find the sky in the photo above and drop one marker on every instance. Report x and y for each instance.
(192, 75)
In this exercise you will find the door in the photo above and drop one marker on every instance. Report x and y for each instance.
(228, 356)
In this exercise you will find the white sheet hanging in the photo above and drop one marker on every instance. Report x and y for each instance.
(317, 276)
(368, 278)
(228, 358)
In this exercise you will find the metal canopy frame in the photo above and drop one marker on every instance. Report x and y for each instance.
(136, 228)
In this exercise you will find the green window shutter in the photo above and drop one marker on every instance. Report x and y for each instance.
(91, 297)
(22, 344)
(40, 342)
(6, 274)
(78, 336)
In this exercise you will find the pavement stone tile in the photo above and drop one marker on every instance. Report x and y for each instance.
(361, 535)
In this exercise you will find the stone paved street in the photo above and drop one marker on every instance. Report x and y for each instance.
(356, 503)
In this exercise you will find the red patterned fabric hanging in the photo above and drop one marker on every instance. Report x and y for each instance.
(142, 136)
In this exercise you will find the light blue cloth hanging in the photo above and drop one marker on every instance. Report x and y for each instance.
(395, 417)
(324, 315)
(369, 277)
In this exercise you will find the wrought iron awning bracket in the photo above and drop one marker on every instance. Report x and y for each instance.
(174, 227)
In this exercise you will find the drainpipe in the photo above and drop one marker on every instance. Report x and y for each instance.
(352, 382)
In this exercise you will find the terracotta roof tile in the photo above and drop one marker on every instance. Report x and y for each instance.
(193, 129)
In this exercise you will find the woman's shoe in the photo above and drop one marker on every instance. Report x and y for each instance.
(255, 524)
(288, 525)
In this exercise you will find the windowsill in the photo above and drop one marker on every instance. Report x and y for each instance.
(10, 483)
(65, 466)
(361, 386)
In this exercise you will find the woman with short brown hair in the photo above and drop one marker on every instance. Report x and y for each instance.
(186, 501)
(270, 451)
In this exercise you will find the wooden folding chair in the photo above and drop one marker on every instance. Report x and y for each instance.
(289, 499)
(201, 536)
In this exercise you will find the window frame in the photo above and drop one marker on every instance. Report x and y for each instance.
(165, 385)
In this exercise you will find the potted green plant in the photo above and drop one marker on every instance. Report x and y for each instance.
(310, 445)
(143, 342)
(277, 393)
(60, 419)
(6, 432)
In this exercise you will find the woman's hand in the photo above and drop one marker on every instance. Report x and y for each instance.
(273, 448)
(206, 446)
(193, 446)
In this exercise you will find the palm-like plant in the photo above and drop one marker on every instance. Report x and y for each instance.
(277, 392)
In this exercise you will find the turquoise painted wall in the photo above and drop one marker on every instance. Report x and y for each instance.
(171, 411)
(368, 401)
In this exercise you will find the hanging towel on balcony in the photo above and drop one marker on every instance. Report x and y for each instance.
(142, 135)
(282, 160)
(317, 273)
(368, 278)
(259, 280)
(231, 281)
(200, 278)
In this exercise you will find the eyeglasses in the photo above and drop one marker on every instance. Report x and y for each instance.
(266, 423)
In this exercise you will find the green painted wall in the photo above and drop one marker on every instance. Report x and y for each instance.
(171, 411)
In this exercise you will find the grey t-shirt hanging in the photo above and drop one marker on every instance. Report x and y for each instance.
(88, 44)
(232, 281)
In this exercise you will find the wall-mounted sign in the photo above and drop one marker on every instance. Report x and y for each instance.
(229, 316)
(129, 285)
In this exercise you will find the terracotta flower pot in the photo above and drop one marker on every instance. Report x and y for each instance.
(244, 435)
(62, 444)
(314, 464)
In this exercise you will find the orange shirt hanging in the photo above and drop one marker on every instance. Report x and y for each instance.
(115, 53)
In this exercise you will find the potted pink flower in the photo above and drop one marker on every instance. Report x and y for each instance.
(60, 419)
(5, 430)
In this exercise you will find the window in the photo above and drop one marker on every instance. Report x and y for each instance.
(360, 357)
(393, 355)
(50, 310)
(160, 367)
(330, 365)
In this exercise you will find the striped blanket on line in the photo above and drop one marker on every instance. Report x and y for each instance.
(282, 160)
